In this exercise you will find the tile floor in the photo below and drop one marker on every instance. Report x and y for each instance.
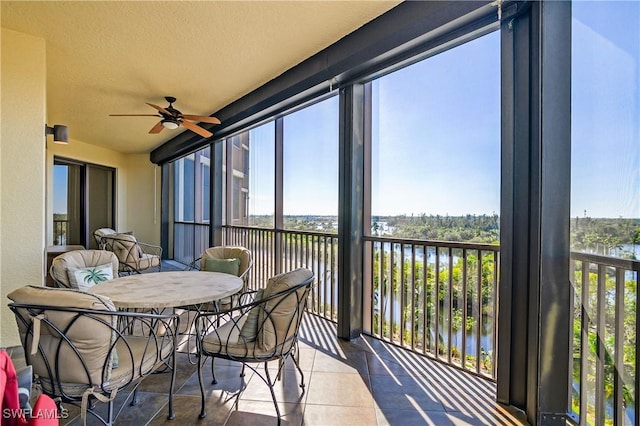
(361, 382)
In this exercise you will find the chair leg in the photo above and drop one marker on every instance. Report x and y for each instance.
(134, 400)
(280, 368)
(171, 415)
(296, 362)
(273, 394)
(110, 412)
(191, 335)
(201, 359)
(213, 372)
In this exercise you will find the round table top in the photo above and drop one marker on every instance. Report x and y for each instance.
(168, 289)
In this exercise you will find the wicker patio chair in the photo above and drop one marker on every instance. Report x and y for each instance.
(79, 351)
(263, 328)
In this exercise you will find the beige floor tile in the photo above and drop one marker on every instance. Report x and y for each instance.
(405, 393)
(263, 413)
(188, 411)
(397, 417)
(345, 362)
(323, 415)
(340, 389)
(287, 389)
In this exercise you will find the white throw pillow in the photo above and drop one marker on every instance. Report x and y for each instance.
(85, 278)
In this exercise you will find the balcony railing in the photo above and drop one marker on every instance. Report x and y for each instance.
(278, 251)
(605, 324)
(60, 227)
(436, 298)
(440, 299)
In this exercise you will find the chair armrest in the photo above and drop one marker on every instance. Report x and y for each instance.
(150, 249)
(245, 274)
(247, 301)
(194, 265)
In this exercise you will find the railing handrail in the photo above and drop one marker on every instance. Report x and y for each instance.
(182, 222)
(436, 243)
(292, 231)
(615, 262)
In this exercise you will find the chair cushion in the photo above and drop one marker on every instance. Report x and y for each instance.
(225, 341)
(101, 232)
(85, 278)
(280, 324)
(81, 259)
(230, 252)
(147, 261)
(92, 341)
(139, 357)
(227, 266)
(126, 247)
(249, 331)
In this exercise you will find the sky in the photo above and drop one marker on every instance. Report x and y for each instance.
(436, 131)
(605, 126)
(59, 189)
(436, 134)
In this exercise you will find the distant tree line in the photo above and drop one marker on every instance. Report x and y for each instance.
(468, 228)
(618, 237)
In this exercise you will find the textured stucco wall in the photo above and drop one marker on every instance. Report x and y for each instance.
(22, 170)
(143, 198)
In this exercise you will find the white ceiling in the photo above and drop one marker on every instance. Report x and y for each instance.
(110, 57)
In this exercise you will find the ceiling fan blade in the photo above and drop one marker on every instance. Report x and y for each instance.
(162, 110)
(202, 118)
(195, 128)
(157, 128)
(135, 115)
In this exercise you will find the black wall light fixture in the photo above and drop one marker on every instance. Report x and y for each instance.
(60, 133)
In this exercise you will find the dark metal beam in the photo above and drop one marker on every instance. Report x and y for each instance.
(166, 218)
(554, 122)
(278, 195)
(351, 164)
(216, 201)
(535, 292)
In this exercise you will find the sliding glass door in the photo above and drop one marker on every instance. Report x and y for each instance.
(83, 201)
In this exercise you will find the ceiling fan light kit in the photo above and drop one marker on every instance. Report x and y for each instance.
(170, 124)
(172, 118)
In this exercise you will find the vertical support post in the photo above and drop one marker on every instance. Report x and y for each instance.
(278, 254)
(535, 295)
(216, 201)
(350, 210)
(554, 122)
(166, 234)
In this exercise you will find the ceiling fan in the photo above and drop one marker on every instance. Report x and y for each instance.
(171, 118)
